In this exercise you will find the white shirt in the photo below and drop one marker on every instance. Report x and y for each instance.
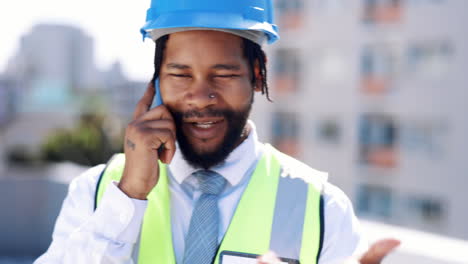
(108, 235)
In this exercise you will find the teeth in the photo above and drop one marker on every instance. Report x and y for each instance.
(204, 125)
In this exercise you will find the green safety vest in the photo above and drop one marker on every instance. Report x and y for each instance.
(281, 210)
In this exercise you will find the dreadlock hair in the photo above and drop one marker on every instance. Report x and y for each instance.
(252, 52)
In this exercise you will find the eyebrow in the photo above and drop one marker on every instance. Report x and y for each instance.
(230, 67)
(177, 66)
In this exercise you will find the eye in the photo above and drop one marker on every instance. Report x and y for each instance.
(227, 76)
(180, 75)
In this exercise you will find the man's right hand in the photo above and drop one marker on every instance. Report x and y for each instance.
(149, 130)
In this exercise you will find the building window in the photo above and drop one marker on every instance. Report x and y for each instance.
(425, 209)
(377, 140)
(378, 68)
(329, 131)
(429, 58)
(382, 11)
(331, 6)
(425, 2)
(423, 138)
(290, 13)
(330, 66)
(285, 128)
(287, 71)
(374, 201)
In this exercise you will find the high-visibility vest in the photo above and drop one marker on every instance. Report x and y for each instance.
(281, 210)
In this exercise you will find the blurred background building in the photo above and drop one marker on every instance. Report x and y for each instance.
(52, 80)
(371, 91)
(374, 92)
(55, 53)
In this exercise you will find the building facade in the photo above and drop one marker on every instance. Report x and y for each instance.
(373, 92)
(55, 53)
(57, 81)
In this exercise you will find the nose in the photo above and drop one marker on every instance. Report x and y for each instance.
(201, 95)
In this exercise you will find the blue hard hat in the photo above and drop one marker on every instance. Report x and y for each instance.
(168, 16)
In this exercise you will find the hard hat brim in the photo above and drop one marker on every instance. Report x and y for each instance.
(162, 24)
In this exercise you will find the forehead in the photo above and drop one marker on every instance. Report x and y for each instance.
(206, 46)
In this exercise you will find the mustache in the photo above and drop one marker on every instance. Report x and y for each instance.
(201, 114)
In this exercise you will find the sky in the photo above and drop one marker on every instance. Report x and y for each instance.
(114, 26)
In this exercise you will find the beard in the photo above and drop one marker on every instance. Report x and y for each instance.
(236, 121)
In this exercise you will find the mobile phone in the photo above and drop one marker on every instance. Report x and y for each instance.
(157, 100)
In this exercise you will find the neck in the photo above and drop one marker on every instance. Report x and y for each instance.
(245, 133)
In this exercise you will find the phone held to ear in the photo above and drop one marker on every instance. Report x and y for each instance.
(157, 100)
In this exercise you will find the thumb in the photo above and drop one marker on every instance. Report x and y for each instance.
(379, 250)
(268, 258)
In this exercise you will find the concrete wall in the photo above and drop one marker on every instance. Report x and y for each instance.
(28, 208)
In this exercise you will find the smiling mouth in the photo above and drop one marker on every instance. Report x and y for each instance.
(205, 125)
(205, 129)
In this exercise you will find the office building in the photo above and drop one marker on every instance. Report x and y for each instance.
(374, 93)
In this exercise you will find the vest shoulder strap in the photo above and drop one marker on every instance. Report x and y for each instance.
(112, 172)
(157, 219)
(300, 190)
(297, 169)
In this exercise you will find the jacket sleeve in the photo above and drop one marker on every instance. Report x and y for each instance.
(107, 235)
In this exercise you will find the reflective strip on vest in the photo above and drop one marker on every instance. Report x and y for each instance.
(276, 211)
(297, 231)
(287, 228)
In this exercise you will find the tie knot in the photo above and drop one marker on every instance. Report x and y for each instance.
(210, 181)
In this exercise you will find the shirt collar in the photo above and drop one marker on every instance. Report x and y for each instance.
(234, 167)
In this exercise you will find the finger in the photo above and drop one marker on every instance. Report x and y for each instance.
(160, 124)
(168, 153)
(379, 250)
(145, 102)
(155, 138)
(268, 258)
(162, 137)
(158, 113)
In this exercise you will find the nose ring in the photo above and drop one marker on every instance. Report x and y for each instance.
(211, 96)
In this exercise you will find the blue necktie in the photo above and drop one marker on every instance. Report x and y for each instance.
(201, 242)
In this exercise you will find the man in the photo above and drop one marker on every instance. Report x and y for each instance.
(217, 194)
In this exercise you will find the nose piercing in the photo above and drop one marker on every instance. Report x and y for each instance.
(211, 96)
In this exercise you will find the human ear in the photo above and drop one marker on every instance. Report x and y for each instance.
(258, 77)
